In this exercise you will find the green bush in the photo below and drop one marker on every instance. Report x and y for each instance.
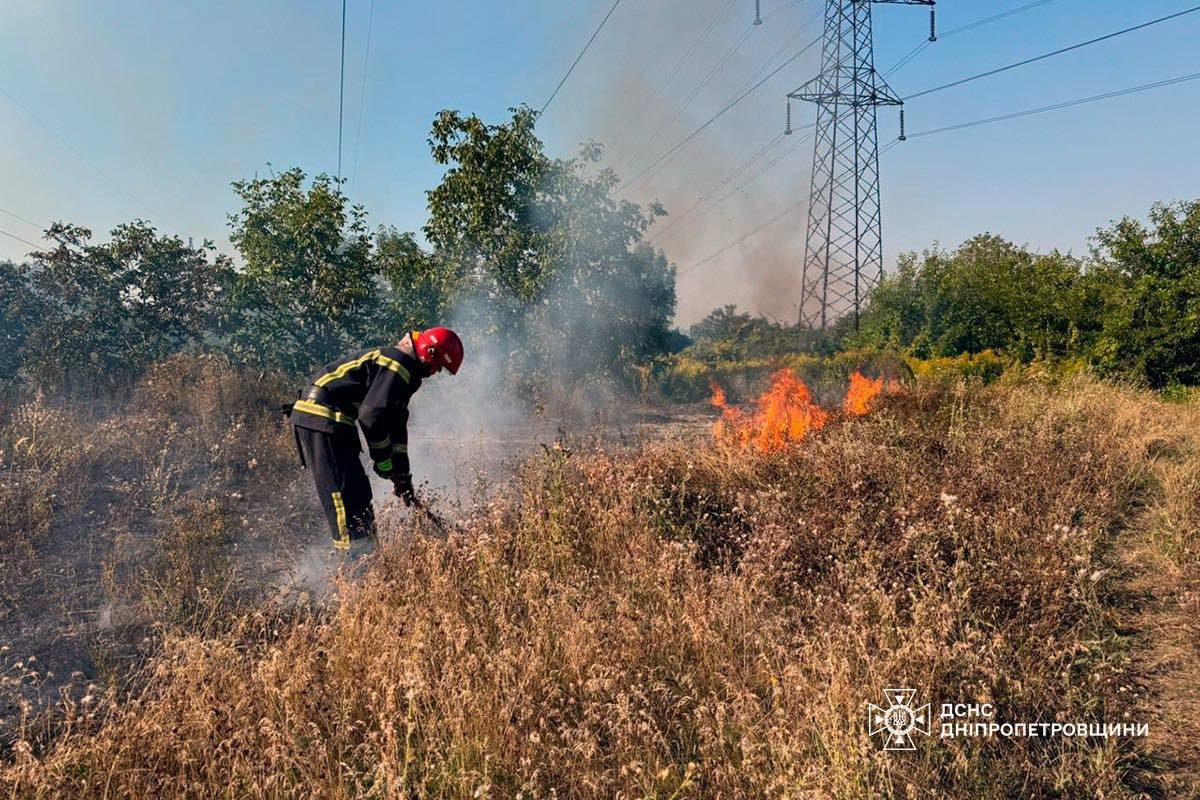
(987, 367)
(92, 315)
(685, 377)
(1131, 311)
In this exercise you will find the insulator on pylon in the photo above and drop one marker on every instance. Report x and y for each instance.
(787, 129)
(932, 24)
(902, 136)
(758, 12)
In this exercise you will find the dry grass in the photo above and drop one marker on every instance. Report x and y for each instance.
(118, 516)
(1161, 558)
(680, 622)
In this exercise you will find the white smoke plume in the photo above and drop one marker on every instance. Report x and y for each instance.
(640, 107)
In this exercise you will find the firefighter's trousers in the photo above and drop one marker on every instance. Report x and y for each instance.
(342, 484)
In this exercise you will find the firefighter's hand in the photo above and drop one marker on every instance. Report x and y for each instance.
(403, 486)
(384, 469)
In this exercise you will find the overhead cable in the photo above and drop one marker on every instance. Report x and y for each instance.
(579, 57)
(22, 219)
(341, 92)
(1053, 53)
(1052, 107)
(670, 75)
(793, 207)
(362, 93)
(26, 241)
(724, 110)
(960, 126)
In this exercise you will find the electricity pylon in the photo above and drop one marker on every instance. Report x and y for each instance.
(843, 252)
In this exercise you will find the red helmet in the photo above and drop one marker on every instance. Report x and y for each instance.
(439, 347)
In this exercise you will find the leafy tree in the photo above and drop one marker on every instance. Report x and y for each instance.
(490, 217)
(417, 287)
(1149, 279)
(308, 290)
(987, 294)
(726, 334)
(18, 311)
(522, 243)
(104, 312)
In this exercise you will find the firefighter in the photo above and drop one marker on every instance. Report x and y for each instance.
(370, 389)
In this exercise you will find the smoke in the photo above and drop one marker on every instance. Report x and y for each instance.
(467, 430)
(538, 372)
(631, 99)
(470, 430)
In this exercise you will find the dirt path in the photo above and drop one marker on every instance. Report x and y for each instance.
(1162, 561)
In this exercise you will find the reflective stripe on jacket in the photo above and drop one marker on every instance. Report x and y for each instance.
(370, 387)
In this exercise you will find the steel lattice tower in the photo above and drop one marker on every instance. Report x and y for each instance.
(843, 253)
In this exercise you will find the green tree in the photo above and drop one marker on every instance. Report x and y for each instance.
(1149, 279)
(521, 244)
(729, 335)
(418, 287)
(308, 289)
(489, 217)
(19, 311)
(987, 294)
(104, 312)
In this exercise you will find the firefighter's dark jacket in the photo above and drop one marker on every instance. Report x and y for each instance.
(372, 387)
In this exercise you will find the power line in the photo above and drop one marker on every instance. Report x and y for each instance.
(920, 48)
(579, 57)
(793, 207)
(666, 79)
(961, 126)
(703, 83)
(684, 224)
(908, 58)
(765, 168)
(362, 93)
(757, 73)
(1054, 107)
(26, 241)
(702, 203)
(781, 10)
(995, 17)
(712, 24)
(1060, 51)
(671, 224)
(781, 50)
(342, 91)
(23, 219)
(684, 142)
(109, 180)
(988, 120)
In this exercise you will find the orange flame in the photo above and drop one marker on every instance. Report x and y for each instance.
(784, 413)
(728, 413)
(861, 394)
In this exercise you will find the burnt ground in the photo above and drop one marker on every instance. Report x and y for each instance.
(83, 603)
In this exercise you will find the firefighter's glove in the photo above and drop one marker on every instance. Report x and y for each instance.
(403, 484)
(385, 468)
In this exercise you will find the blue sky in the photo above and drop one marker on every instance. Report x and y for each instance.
(156, 107)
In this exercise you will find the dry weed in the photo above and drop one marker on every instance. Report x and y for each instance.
(683, 621)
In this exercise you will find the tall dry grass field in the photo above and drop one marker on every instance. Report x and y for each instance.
(683, 620)
(122, 520)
